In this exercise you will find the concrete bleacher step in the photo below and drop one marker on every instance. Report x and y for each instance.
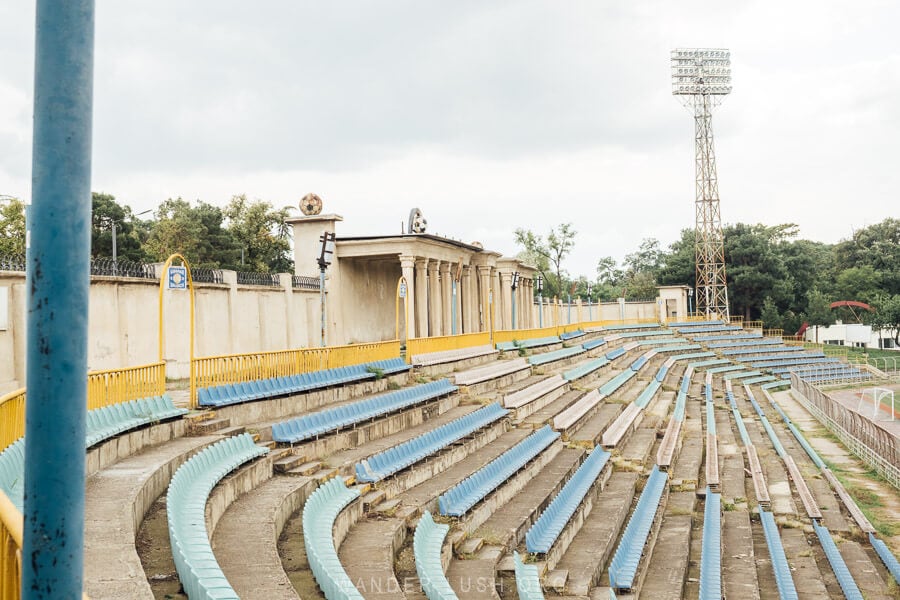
(233, 431)
(210, 426)
(373, 498)
(469, 546)
(387, 507)
(289, 462)
(556, 580)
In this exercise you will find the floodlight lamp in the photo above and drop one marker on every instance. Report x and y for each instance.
(327, 254)
(514, 283)
(701, 71)
(540, 284)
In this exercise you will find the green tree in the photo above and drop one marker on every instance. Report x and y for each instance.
(12, 226)
(678, 265)
(262, 232)
(818, 309)
(770, 316)
(858, 283)
(181, 228)
(887, 315)
(107, 214)
(876, 246)
(755, 267)
(548, 256)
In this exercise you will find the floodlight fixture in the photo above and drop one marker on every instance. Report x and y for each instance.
(701, 72)
(514, 282)
(540, 283)
(326, 256)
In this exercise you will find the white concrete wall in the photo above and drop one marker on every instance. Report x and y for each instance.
(124, 323)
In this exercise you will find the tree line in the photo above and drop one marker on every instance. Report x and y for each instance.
(245, 235)
(772, 275)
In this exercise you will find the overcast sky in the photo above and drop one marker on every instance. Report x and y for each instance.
(486, 115)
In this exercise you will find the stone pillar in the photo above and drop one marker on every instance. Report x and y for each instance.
(484, 280)
(506, 293)
(434, 299)
(446, 298)
(496, 312)
(421, 323)
(465, 299)
(407, 267)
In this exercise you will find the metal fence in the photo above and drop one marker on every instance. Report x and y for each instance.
(304, 282)
(12, 262)
(207, 275)
(876, 446)
(122, 268)
(266, 279)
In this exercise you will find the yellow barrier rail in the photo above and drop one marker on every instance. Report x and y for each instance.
(737, 320)
(236, 368)
(11, 524)
(115, 386)
(416, 346)
(508, 335)
(753, 325)
(777, 332)
(12, 417)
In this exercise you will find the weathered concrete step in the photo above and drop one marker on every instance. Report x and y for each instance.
(235, 431)
(387, 507)
(210, 426)
(200, 416)
(372, 498)
(288, 463)
(305, 469)
(556, 580)
(469, 546)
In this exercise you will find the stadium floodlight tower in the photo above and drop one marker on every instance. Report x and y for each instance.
(701, 77)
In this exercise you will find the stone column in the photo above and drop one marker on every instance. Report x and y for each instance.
(446, 299)
(505, 310)
(465, 301)
(496, 312)
(421, 323)
(407, 267)
(434, 299)
(484, 280)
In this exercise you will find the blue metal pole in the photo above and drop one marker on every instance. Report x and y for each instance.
(514, 309)
(322, 301)
(541, 310)
(58, 284)
(569, 313)
(453, 320)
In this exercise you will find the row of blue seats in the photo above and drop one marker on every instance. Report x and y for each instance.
(739, 420)
(101, 424)
(236, 393)
(548, 357)
(838, 566)
(319, 514)
(428, 541)
(742, 375)
(787, 363)
(460, 498)
(661, 373)
(570, 335)
(838, 377)
(711, 549)
(681, 348)
(741, 345)
(696, 323)
(616, 382)
(543, 534)
(790, 356)
(760, 379)
(585, 368)
(726, 369)
(532, 343)
(776, 443)
(637, 334)
(528, 580)
(647, 393)
(614, 354)
(662, 341)
(716, 337)
(396, 458)
(595, 343)
(775, 384)
(639, 362)
(708, 329)
(783, 579)
(197, 568)
(693, 356)
(313, 425)
(109, 421)
(631, 326)
(762, 349)
(624, 564)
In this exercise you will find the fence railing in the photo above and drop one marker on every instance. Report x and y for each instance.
(234, 368)
(266, 279)
(416, 346)
(11, 525)
(12, 417)
(12, 262)
(865, 438)
(103, 389)
(753, 325)
(305, 282)
(123, 385)
(207, 275)
(108, 267)
(775, 332)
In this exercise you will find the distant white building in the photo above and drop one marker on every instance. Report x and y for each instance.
(856, 335)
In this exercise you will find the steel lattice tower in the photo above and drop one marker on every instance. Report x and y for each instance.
(701, 77)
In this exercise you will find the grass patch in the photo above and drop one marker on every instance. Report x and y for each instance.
(379, 373)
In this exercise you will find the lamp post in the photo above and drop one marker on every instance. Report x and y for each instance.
(540, 290)
(514, 283)
(326, 256)
(690, 301)
(590, 313)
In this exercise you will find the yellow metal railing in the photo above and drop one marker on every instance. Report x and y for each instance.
(753, 325)
(776, 332)
(10, 550)
(12, 417)
(738, 320)
(235, 368)
(508, 335)
(123, 385)
(417, 346)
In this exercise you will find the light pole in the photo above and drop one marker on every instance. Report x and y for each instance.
(514, 283)
(326, 256)
(690, 301)
(590, 313)
(540, 290)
